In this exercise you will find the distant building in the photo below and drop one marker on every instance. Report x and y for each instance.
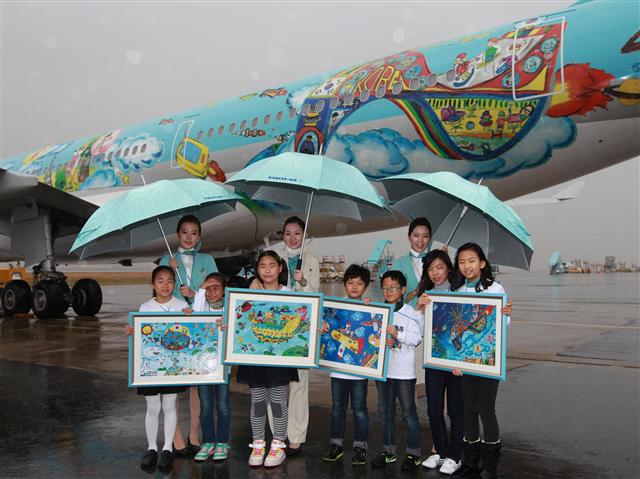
(610, 264)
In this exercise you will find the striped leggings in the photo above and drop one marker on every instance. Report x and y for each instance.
(277, 396)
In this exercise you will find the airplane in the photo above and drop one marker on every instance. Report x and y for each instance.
(523, 106)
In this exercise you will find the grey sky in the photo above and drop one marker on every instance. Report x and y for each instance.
(72, 69)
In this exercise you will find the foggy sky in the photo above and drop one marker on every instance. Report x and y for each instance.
(74, 69)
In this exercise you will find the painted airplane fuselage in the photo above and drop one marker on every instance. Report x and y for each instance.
(524, 106)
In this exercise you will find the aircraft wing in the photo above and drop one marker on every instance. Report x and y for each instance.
(569, 193)
(68, 213)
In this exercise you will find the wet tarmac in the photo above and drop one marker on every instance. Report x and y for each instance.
(569, 409)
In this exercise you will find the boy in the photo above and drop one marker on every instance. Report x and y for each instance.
(402, 337)
(356, 280)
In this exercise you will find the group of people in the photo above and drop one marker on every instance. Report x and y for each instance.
(281, 395)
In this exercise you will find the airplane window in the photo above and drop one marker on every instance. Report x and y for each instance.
(110, 156)
(232, 127)
(279, 116)
(200, 135)
(254, 123)
(135, 150)
(397, 88)
(333, 104)
(210, 133)
(364, 95)
(144, 148)
(348, 100)
(267, 119)
(220, 131)
(305, 109)
(243, 125)
(380, 91)
(117, 153)
(414, 83)
(126, 152)
(450, 75)
(292, 112)
(432, 79)
(320, 106)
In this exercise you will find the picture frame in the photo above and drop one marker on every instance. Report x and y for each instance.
(466, 332)
(175, 349)
(355, 342)
(272, 328)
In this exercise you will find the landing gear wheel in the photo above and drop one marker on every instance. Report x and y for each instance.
(86, 297)
(50, 299)
(16, 297)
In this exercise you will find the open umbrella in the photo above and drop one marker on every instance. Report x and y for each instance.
(132, 219)
(313, 182)
(460, 211)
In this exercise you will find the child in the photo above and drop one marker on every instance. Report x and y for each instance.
(268, 384)
(436, 275)
(356, 280)
(474, 275)
(192, 267)
(210, 297)
(402, 337)
(163, 280)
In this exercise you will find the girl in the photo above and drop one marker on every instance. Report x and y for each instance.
(163, 280)
(436, 276)
(305, 279)
(192, 267)
(411, 263)
(268, 385)
(210, 297)
(474, 275)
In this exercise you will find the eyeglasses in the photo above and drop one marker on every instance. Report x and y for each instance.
(391, 289)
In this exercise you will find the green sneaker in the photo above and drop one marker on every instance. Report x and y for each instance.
(205, 451)
(221, 452)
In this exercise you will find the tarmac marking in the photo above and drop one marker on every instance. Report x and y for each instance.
(582, 325)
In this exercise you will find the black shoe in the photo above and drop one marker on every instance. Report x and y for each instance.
(411, 463)
(293, 451)
(383, 459)
(184, 452)
(166, 459)
(149, 459)
(192, 449)
(359, 457)
(334, 453)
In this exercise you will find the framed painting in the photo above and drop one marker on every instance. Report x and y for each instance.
(467, 332)
(272, 328)
(355, 342)
(169, 349)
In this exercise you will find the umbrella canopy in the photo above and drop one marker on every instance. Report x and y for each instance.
(131, 219)
(288, 179)
(461, 211)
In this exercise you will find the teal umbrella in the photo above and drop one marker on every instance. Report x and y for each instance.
(461, 211)
(311, 183)
(133, 219)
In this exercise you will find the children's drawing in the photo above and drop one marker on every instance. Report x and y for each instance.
(172, 349)
(272, 328)
(465, 332)
(354, 343)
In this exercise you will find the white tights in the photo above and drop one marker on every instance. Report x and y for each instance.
(168, 404)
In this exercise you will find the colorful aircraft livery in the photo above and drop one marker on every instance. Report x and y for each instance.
(487, 105)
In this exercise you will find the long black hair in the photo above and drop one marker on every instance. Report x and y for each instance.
(283, 277)
(425, 282)
(486, 275)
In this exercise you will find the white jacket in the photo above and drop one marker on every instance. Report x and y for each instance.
(402, 362)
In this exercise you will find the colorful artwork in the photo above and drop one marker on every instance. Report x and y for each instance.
(170, 349)
(272, 328)
(354, 343)
(466, 332)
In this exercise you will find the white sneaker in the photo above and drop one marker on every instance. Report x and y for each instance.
(276, 454)
(449, 466)
(433, 461)
(257, 455)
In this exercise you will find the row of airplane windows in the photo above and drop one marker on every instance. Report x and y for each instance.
(349, 99)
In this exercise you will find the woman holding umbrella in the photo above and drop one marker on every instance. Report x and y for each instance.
(411, 263)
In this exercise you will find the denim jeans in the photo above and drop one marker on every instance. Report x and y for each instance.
(480, 400)
(210, 433)
(404, 391)
(437, 383)
(341, 389)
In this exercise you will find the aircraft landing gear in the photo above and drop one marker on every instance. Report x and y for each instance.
(16, 297)
(86, 297)
(50, 298)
